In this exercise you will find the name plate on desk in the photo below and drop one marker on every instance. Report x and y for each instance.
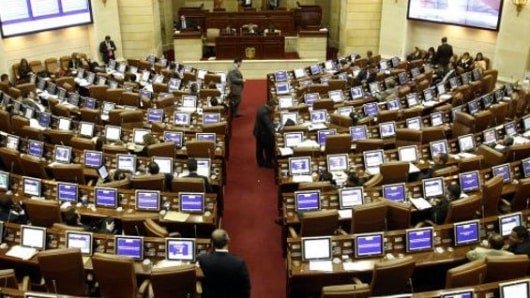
(325, 266)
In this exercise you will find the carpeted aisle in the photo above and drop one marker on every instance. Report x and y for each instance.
(250, 203)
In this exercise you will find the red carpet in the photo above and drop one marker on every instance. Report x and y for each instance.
(250, 203)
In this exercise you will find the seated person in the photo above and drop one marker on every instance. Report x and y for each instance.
(440, 205)
(192, 168)
(10, 211)
(185, 24)
(148, 139)
(106, 225)
(5, 79)
(389, 93)
(366, 75)
(465, 63)
(502, 145)
(154, 169)
(417, 54)
(354, 180)
(519, 241)
(114, 175)
(24, 72)
(72, 218)
(494, 248)
(480, 62)
(440, 162)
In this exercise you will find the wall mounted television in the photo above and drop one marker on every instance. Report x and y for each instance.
(26, 17)
(467, 13)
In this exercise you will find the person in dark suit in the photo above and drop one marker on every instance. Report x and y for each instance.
(107, 48)
(11, 212)
(519, 241)
(366, 75)
(183, 24)
(225, 275)
(264, 134)
(235, 82)
(192, 168)
(444, 53)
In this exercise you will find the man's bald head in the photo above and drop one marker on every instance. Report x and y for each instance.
(219, 238)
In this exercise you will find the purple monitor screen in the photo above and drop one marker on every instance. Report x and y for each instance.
(466, 232)
(310, 98)
(180, 249)
(469, 181)
(438, 147)
(419, 239)
(394, 192)
(307, 200)
(393, 104)
(148, 200)
(323, 133)
(319, 116)
(337, 162)
(106, 197)
(129, 246)
(155, 115)
(35, 148)
(63, 154)
(67, 192)
(525, 164)
(203, 136)
(315, 69)
(282, 88)
(173, 136)
(192, 202)
(387, 129)
(503, 171)
(300, 165)
(508, 222)
(180, 118)
(473, 107)
(93, 159)
(356, 92)
(369, 245)
(350, 196)
(210, 118)
(370, 109)
(280, 76)
(45, 119)
(358, 133)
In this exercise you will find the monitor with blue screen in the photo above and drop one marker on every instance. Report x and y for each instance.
(414, 123)
(437, 147)
(526, 123)
(4, 180)
(81, 240)
(310, 98)
(307, 200)
(489, 136)
(315, 69)
(175, 137)
(387, 129)
(319, 116)
(147, 200)
(181, 118)
(525, 164)
(205, 136)
(369, 245)
(67, 192)
(35, 148)
(433, 187)
(63, 154)
(370, 109)
(469, 181)
(129, 246)
(323, 133)
(503, 171)
(466, 232)
(359, 132)
(337, 162)
(155, 115)
(350, 196)
(402, 77)
(31, 187)
(280, 76)
(356, 92)
(509, 221)
(283, 88)
(393, 104)
(292, 139)
(317, 248)
(300, 165)
(191, 202)
(454, 83)
(211, 118)
(465, 293)
(419, 239)
(414, 72)
(180, 249)
(394, 192)
(106, 197)
(466, 143)
(126, 162)
(93, 159)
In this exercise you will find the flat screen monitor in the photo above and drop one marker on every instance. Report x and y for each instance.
(466, 78)
(189, 101)
(337, 162)
(35, 148)
(181, 118)
(155, 115)
(280, 76)
(203, 166)
(433, 187)
(525, 164)
(201, 73)
(300, 165)
(469, 181)
(394, 192)
(359, 132)
(307, 200)
(93, 159)
(28, 113)
(67, 192)
(31, 187)
(299, 73)
(414, 72)
(440, 87)
(414, 123)
(206, 136)
(12, 142)
(173, 84)
(106, 197)
(138, 135)
(393, 104)
(350, 196)
(356, 92)
(383, 65)
(165, 164)
(126, 162)
(420, 239)
(428, 94)
(374, 87)
(147, 200)
(113, 133)
(408, 153)
(86, 129)
(476, 74)
(4, 180)
(336, 95)
(510, 128)
(129, 246)
(489, 136)
(503, 171)
(180, 249)
(283, 88)
(319, 116)
(402, 77)
(345, 111)
(454, 83)
(63, 154)
(64, 123)
(466, 143)
(285, 116)
(32, 236)
(509, 221)
(81, 240)
(437, 147)
(192, 202)
(465, 293)
(387, 129)
(370, 109)
(90, 103)
(316, 249)
(487, 100)
(369, 245)
(518, 288)
(373, 158)
(285, 102)
(175, 137)
(526, 123)
(508, 89)
(292, 139)
(436, 119)
(211, 118)
(107, 107)
(323, 133)
(315, 69)
(412, 100)
(466, 232)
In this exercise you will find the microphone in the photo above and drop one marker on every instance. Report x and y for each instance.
(137, 230)
(54, 285)
(195, 230)
(12, 165)
(412, 285)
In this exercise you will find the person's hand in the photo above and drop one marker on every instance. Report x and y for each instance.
(109, 226)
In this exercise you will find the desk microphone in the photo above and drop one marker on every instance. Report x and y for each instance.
(54, 285)
(195, 229)
(137, 230)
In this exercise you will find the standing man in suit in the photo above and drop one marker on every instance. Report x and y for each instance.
(184, 24)
(444, 53)
(264, 134)
(107, 48)
(225, 275)
(235, 82)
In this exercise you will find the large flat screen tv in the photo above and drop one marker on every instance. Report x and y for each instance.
(31, 16)
(482, 14)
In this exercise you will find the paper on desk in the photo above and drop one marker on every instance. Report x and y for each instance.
(21, 252)
(176, 216)
(302, 178)
(321, 266)
(286, 151)
(420, 203)
(345, 213)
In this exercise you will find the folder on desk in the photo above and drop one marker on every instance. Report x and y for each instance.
(420, 203)
(21, 252)
(176, 216)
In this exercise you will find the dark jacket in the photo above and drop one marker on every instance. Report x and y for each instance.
(225, 276)
(444, 54)
(207, 185)
(263, 127)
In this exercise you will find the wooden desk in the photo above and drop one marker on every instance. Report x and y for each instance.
(265, 47)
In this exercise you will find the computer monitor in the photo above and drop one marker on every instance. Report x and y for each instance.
(350, 196)
(420, 239)
(374, 87)
(319, 116)
(437, 147)
(370, 109)
(180, 249)
(90, 103)
(359, 132)
(67, 192)
(498, 94)
(387, 129)
(28, 113)
(86, 129)
(489, 136)
(316, 248)
(12, 142)
(299, 73)
(466, 78)
(173, 84)
(280, 76)
(469, 181)
(393, 104)
(181, 118)
(63, 154)
(191, 202)
(81, 240)
(487, 100)
(525, 165)
(428, 94)
(336, 95)
(300, 165)
(383, 64)
(454, 83)
(35, 148)
(509, 221)
(32, 236)
(414, 72)
(106, 197)
(147, 200)
(203, 166)
(414, 123)
(508, 89)
(433, 187)
(93, 159)
(323, 133)
(465, 293)
(175, 137)
(45, 119)
(440, 87)
(337, 162)
(477, 75)
(394, 192)
(73, 99)
(345, 111)
(165, 164)
(369, 245)
(518, 288)
(138, 135)
(205, 136)
(189, 101)
(466, 143)
(356, 92)
(402, 77)
(211, 118)
(129, 246)
(4, 180)
(64, 123)
(510, 128)
(526, 122)
(373, 158)
(466, 232)
(315, 69)
(285, 116)
(307, 200)
(107, 107)
(31, 187)
(285, 102)
(292, 139)
(283, 88)
(201, 73)
(155, 115)
(437, 119)
(408, 153)
(503, 171)
(126, 162)
(112, 133)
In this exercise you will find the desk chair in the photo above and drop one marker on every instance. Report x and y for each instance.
(446, 171)
(387, 115)
(160, 87)
(26, 88)
(9, 280)
(43, 213)
(209, 78)
(60, 110)
(130, 99)
(11, 160)
(398, 216)
(394, 171)
(209, 40)
(200, 148)
(337, 144)
(36, 66)
(500, 112)
(90, 115)
(517, 152)
(82, 143)
(63, 272)
(429, 134)
(66, 80)
(153, 182)
(64, 227)
(369, 217)
(335, 84)
(220, 128)
(506, 267)
(153, 229)
(391, 276)
(422, 85)
(463, 209)
(132, 119)
(60, 137)
(5, 121)
(133, 224)
(162, 149)
(488, 83)
(166, 102)
(471, 163)
(411, 112)
(323, 186)
(346, 291)
(317, 223)
(408, 136)
(176, 281)
(521, 198)
(491, 196)
(463, 123)
(69, 173)
(116, 276)
(115, 149)
(33, 166)
(368, 144)
(492, 157)
(31, 133)
(97, 91)
(326, 104)
(468, 274)
(52, 67)
(14, 92)
(122, 184)
(483, 120)
(114, 95)
(187, 184)
(340, 120)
